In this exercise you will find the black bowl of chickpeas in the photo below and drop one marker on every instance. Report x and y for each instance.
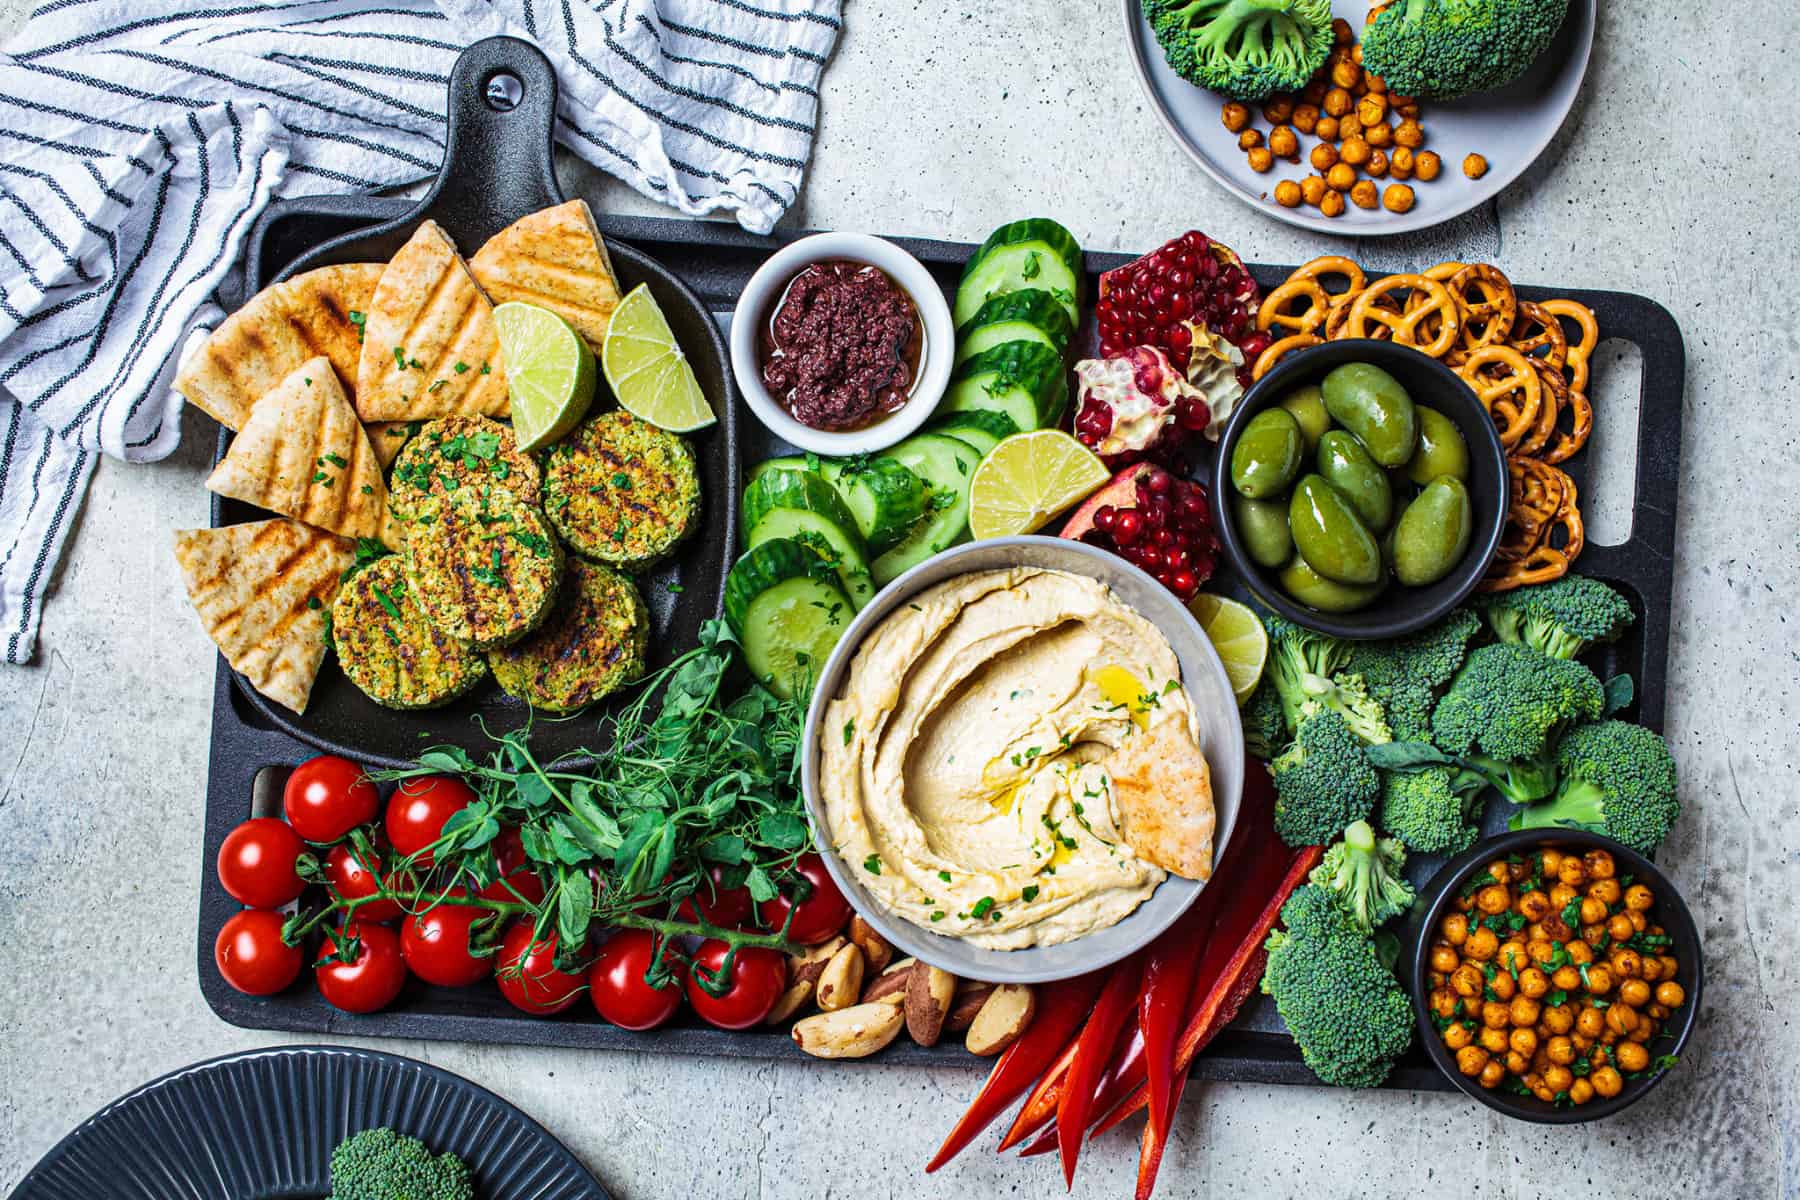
(1556, 974)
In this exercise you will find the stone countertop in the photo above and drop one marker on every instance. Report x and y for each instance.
(1668, 180)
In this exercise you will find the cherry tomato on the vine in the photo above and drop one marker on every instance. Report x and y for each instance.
(518, 877)
(616, 982)
(326, 797)
(417, 810)
(256, 863)
(758, 977)
(819, 916)
(720, 905)
(251, 955)
(436, 944)
(371, 982)
(354, 877)
(528, 975)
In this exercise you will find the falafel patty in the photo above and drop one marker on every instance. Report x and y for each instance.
(453, 452)
(621, 491)
(594, 642)
(483, 565)
(389, 649)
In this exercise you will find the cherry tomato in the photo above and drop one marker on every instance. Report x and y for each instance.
(517, 876)
(417, 810)
(528, 975)
(723, 906)
(758, 977)
(251, 955)
(256, 863)
(818, 917)
(353, 878)
(616, 982)
(436, 945)
(371, 982)
(326, 797)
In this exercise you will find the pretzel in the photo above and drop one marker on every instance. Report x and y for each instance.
(1444, 270)
(1308, 319)
(1583, 316)
(1487, 304)
(1542, 565)
(1405, 326)
(1536, 328)
(1535, 495)
(1556, 395)
(1265, 362)
(1512, 398)
(1340, 313)
(1568, 444)
(1331, 264)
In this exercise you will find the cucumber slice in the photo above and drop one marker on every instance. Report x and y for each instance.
(792, 462)
(980, 429)
(1033, 253)
(946, 465)
(885, 498)
(783, 602)
(1024, 380)
(1032, 315)
(790, 504)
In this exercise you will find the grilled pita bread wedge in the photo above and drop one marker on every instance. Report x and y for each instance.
(389, 438)
(279, 328)
(429, 346)
(304, 454)
(1163, 789)
(554, 259)
(262, 591)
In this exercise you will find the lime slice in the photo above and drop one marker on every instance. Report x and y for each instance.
(646, 369)
(1029, 478)
(1237, 635)
(549, 370)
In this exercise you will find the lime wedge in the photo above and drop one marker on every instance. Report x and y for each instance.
(549, 370)
(646, 369)
(1237, 635)
(1029, 478)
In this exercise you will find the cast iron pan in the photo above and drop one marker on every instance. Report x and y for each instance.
(497, 168)
(264, 1124)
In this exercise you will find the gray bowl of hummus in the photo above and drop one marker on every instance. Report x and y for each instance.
(1022, 759)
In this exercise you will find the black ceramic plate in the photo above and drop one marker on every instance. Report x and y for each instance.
(497, 168)
(264, 1123)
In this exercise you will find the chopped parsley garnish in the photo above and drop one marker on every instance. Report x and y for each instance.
(387, 602)
(359, 320)
(1029, 893)
(312, 602)
(489, 575)
(437, 385)
(849, 731)
(622, 481)
(536, 543)
(337, 460)
(872, 864)
(938, 915)
(460, 367)
(400, 358)
(944, 875)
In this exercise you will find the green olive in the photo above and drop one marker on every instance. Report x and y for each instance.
(1370, 403)
(1329, 535)
(1441, 451)
(1433, 533)
(1262, 525)
(1348, 468)
(1267, 455)
(1307, 406)
(1327, 595)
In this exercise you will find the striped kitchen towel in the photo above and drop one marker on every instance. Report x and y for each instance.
(137, 149)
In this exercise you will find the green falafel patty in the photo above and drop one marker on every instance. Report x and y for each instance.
(483, 565)
(621, 491)
(389, 649)
(594, 641)
(465, 451)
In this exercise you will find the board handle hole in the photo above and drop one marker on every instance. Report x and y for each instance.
(503, 91)
(1616, 382)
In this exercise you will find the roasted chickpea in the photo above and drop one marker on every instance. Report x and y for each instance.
(1378, 133)
(1592, 911)
(1560, 892)
(1600, 979)
(1341, 178)
(1492, 1074)
(1670, 968)
(1443, 955)
(1398, 198)
(1355, 151)
(1443, 1002)
(1356, 55)
(1250, 139)
(1376, 83)
(1517, 1063)
(1606, 890)
(1235, 116)
(1483, 943)
(1283, 142)
(1639, 898)
(1651, 969)
(1306, 117)
(1493, 900)
(1621, 1019)
(1346, 75)
(1580, 953)
(1559, 1018)
(1467, 981)
(1638, 921)
(1583, 1043)
(1324, 157)
(1455, 928)
(1560, 1050)
(1619, 926)
(1475, 166)
(1314, 91)
(1632, 1056)
(1572, 872)
(1337, 102)
(1372, 109)
(1492, 1040)
(1277, 110)
(1543, 1093)
(1349, 127)
(1581, 1091)
(1524, 1011)
(1364, 195)
(1599, 864)
(1261, 160)
(1411, 134)
(1670, 994)
(1457, 1035)
(1408, 110)
(1377, 166)
(1550, 858)
(1287, 194)
(1626, 963)
(1533, 982)
(1534, 905)
(1591, 1023)
(1332, 203)
(1471, 1059)
(1606, 1082)
(1511, 957)
(1558, 1078)
(1496, 1015)
(1566, 978)
(1472, 1006)
(1314, 189)
(1326, 129)
(1593, 935)
(1540, 950)
(1523, 1041)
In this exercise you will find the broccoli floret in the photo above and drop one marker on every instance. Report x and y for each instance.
(1434, 810)
(1617, 779)
(1265, 724)
(1520, 780)
(380, 1164)
(1512, 702)
(1349, 1014)
(1404, 675)
(1323, 782)
(1345, 695)
(1301, 666)
(1562, 618)
(1243, 48)
(1362, 873)
(1442, 49)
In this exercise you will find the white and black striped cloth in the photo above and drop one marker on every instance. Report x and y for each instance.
(137, 149)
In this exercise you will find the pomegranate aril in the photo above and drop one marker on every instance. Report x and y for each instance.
(1127, 528)
(1105, 516)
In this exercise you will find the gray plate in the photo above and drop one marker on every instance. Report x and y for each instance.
(1510, 127)
(1221, 737)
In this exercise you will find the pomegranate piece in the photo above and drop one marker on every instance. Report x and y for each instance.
(1149, 301)
(1156, 520)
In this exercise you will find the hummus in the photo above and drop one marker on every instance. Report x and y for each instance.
(964, 767)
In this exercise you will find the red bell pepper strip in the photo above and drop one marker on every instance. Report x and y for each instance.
(1040, 1106)
(1093, 1050)
(1123, 1075)
(1061, 1006)
(1163, 1001)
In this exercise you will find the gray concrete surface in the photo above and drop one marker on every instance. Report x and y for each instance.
(944, 120)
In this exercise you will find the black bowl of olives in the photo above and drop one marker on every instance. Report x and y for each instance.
(1360, 489)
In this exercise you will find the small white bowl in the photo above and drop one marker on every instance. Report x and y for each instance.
(764, 289)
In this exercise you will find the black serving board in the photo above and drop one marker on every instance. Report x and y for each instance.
(715, 260)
